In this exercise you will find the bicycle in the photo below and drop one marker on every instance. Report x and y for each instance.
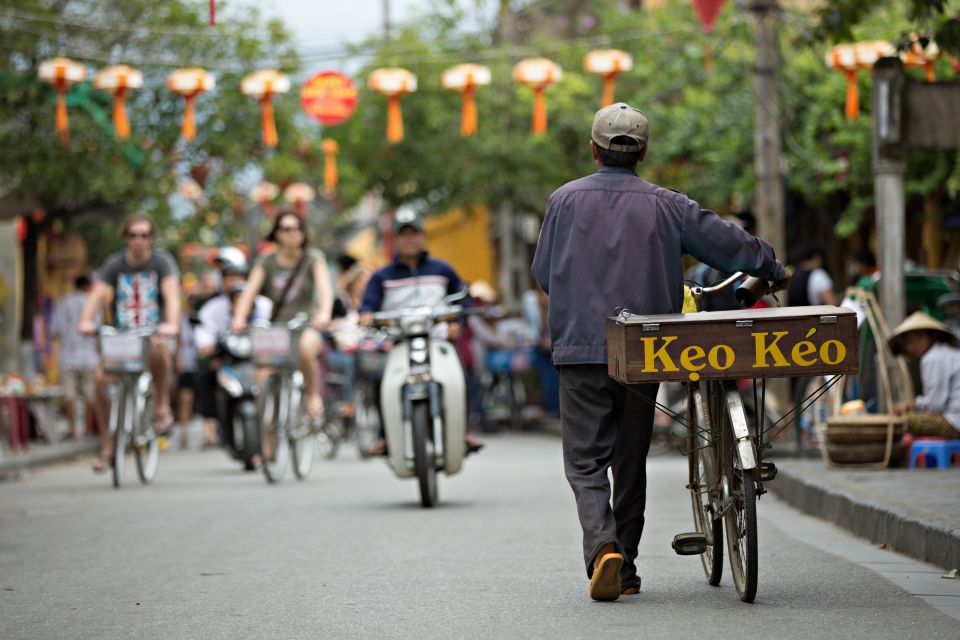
(726, 468)
(125, 356)
(286, 435)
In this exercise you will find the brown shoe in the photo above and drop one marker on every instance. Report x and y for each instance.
(605, 583)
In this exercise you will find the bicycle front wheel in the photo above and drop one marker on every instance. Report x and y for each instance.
(274, 445)
(703, 485)
(741, 512)
(121, 412)
(366, 419)
(146, 447)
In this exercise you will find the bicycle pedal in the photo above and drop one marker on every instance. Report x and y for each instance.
(768, 471)
(689, 544)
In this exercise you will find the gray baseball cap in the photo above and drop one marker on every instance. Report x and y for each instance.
(620, 119)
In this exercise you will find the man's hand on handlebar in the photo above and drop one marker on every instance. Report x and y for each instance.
(167, 329)
(781, 285)
(239, 325)
(366, 319)
(453, 331)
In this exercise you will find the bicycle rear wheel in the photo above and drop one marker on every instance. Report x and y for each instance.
(741, 513)
(300, 430)
(146, 448)
(703, 485)
(274, 444)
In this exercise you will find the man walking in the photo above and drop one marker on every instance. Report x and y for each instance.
(146, 293)
(613, 240)
(77, 355)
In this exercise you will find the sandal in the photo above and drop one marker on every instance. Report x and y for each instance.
(378, 450)
(100, 465)
(473, 445)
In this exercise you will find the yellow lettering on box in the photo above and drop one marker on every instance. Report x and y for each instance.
(651, 355)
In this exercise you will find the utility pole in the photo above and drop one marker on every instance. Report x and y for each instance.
(767, 144)
(386, 20)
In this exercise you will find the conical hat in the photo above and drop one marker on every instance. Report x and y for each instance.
(918, 321)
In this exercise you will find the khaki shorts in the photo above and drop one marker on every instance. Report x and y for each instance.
(74, 381)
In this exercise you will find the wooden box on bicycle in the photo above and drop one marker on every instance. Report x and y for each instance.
(752, 343)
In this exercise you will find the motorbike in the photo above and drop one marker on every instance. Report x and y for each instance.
(423, 396)
(235, 399)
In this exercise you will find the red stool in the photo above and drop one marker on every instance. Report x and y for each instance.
(15, 417)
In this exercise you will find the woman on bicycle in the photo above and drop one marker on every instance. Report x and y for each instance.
(296, 280)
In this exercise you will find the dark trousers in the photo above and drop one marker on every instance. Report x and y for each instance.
(606, 425)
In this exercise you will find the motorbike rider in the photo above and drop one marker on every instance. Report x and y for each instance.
(213, 320)
(412, 279)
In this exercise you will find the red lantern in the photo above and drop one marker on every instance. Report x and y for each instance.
(707, 10)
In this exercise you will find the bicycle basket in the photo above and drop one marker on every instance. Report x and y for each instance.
(124, 352)
(509, 360)
(274, 346)
(371, 363)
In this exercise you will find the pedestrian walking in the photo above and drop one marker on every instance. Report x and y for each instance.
(612, 240)
(76, 355)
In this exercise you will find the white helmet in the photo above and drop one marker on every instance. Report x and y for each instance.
(232, 261)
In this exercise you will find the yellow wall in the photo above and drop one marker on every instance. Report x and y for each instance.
(463, 239)
(460, 238)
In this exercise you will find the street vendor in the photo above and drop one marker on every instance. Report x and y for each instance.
(612, 240)
(935, 412)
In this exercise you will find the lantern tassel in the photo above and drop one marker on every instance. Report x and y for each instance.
(707, 58)
(539, 111)
(394, 119)
(268, 126)
(62, 122)
(928, 71)
(330, 175)
(468, 124)
(609, 81)
(853, 97)
(189, 129)
(121, 125)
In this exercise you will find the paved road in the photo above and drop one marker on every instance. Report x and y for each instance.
(209, 552)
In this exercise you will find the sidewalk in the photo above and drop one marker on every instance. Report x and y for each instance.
(915, 511)
(14, 465)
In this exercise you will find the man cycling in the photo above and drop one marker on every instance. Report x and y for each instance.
(412, 279)
(146, 293)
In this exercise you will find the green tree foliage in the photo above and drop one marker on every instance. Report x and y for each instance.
(701, 119)
(95, 174)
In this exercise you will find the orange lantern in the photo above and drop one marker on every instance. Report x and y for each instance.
(118, 80)
(330, 177)
(61, 73)
(263, 85)
(299, 194)
(920, 56)
(538, 74)
(465, 78)
(608, 64)
(850, 58)
(189, 83)
(394, 84)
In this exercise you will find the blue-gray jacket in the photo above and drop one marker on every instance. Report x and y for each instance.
(612, 240)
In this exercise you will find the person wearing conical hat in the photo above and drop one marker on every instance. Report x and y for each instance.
(936, 412)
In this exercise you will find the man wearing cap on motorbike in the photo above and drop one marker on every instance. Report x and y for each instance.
(412, 279)
(213, 319)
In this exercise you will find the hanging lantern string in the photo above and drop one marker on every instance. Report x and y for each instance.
(468, 122)
(330, 175)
